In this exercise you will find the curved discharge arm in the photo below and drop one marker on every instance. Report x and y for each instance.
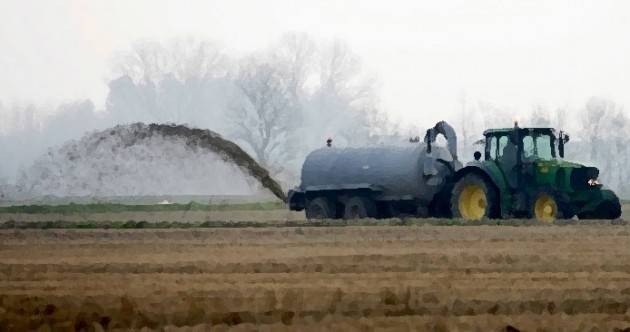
(445, 129)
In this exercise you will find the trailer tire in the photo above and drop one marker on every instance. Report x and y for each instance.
(319, 208)
(358, 207)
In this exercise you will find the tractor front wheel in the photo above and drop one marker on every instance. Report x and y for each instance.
(605, 210)
(547, 206)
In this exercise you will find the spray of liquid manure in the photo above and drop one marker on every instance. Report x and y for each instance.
(139, 159)
(230, 151)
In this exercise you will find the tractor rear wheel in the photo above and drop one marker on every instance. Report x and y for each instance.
(473, 198)
(319, 208)
(359, 207)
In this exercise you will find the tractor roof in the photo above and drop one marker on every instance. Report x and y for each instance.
(541, 130)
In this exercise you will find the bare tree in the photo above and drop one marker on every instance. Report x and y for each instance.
(540, 116)
(184, 80)
(294, 55)
(592, 122)
(280, 103)
(340, 72)
(150, 61)
(470, 130)
(295, 95)
(263, 116)
(560, 118)
(603, 138)
(493, 116)
(200, 59)
(344, 104)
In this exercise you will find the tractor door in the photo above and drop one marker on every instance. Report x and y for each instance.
(538, 148)
(507, 159)
(528, 159)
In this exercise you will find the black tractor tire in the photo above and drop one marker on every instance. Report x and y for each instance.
(560, 203)
(474, 198)
(319, 208)
(605, 210)
(358, 207)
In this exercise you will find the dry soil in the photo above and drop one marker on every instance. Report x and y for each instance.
(460, 278)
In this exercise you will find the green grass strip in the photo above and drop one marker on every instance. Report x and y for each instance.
(132, 224)
(116, 208)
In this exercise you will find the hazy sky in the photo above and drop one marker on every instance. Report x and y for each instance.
(426, 53)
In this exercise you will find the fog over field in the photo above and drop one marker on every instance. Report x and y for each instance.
(360, 73)
(278, 106)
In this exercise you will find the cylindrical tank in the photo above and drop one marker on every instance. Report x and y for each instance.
(400, 172)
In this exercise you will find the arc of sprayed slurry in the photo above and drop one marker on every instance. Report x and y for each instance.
(207, 139)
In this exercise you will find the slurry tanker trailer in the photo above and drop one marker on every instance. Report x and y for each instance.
(521, 174)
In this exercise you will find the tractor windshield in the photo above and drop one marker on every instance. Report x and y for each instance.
(538, 146)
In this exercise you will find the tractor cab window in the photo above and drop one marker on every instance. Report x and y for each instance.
(529, 150)
(538, 146)
(544, 147)
(507, 151)
(493, 147)
(503, 142)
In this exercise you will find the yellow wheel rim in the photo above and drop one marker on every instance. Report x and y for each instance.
(545, 208)
(472, 202)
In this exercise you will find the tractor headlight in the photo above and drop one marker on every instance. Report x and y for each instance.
(593, 182)
(584, 178)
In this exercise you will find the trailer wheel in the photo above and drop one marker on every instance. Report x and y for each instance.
(359, 207)
(473, 198)
(319, 208)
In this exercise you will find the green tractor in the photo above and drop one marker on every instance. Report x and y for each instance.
(523, 176)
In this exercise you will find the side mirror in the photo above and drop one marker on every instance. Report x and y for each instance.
(562, 140)
(477, 155)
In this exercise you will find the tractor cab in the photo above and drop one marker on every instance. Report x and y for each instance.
(517, 151)
(530, 144)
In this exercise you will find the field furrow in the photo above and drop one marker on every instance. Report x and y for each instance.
(347, 278)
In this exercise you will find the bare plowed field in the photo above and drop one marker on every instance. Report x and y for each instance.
(463, 278)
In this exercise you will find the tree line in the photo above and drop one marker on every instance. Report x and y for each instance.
(278, 103)
(282, 102)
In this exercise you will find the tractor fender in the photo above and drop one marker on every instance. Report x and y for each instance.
(604, 204)
(493, 175)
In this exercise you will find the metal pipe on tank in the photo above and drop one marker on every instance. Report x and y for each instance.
(445, 129)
